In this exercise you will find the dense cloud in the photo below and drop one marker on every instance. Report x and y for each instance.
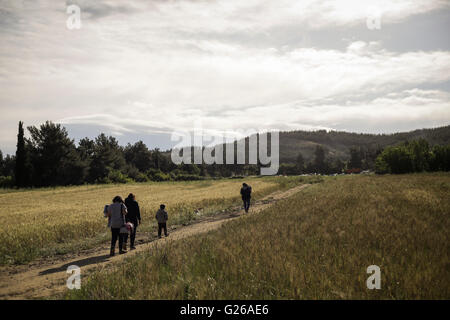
(139, 68)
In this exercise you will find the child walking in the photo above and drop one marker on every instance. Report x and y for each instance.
(162, 217)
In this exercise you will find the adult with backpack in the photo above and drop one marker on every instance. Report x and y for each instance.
(246, 194)
(116, 213)
(133, 216)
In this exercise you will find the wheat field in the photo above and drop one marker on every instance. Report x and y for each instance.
(66, 219)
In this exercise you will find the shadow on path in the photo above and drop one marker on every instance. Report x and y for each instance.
(79, 263)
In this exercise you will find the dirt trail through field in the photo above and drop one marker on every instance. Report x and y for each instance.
(47, 277)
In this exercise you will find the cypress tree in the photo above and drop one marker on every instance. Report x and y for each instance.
(20, 174)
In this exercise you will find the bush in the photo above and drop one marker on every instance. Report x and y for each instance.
(188, 177)
(288, 169)
(141, 178)
(131, 171)
(440, 158)
(116, 176)
(395, 160)
(414, 156)
(158, 175)
(6, 182)
(381, 166)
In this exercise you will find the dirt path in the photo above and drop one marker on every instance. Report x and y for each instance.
(47, 277)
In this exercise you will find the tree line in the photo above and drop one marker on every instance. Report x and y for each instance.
(414, 156)
(407, 157)
(361, 158)
(50, 158)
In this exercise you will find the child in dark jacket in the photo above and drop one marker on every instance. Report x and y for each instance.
(162, 217)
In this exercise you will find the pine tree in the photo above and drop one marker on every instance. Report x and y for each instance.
(2, 164)
(355, 158)
(21, 175)
(54, 156)
(300, 163)
(319, 159)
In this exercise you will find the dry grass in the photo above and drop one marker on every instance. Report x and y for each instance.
(315, 245)
(66, 219)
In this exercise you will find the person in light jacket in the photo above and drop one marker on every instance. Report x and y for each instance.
(162, 217)
(116, 212)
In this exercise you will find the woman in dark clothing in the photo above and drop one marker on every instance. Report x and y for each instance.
(133, 216)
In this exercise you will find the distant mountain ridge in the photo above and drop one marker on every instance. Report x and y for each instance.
(338, 143)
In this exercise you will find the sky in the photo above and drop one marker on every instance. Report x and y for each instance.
(140, 70)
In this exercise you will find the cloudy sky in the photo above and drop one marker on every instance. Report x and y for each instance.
(141, 69)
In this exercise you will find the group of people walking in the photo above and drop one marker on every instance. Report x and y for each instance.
(125, 216)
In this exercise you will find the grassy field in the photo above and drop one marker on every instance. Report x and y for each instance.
(67, 219)
(314, 245)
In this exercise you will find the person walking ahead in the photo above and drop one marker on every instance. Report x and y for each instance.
(246, 193)
(117, 211)
(162, 217)
(133, 216)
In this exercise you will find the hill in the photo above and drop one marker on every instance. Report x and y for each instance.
(337, 143)
(335, 149)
